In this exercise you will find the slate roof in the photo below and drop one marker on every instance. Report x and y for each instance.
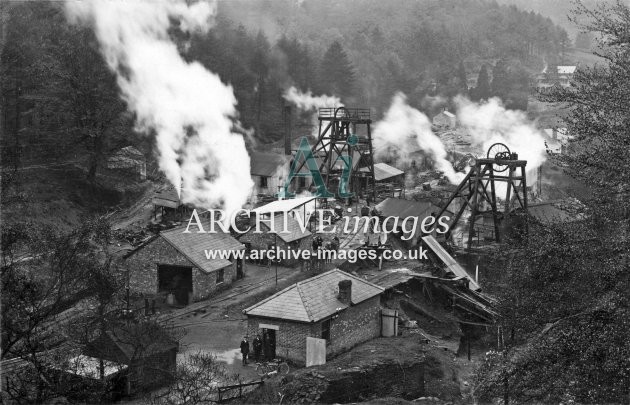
(265, 163)
(193, 244)
(384, 171)
(314, 299)
(293, 226)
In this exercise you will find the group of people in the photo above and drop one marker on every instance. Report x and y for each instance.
(257, 345)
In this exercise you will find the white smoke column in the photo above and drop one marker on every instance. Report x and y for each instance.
(307, 102)
(405, 129)
(188, 107)
(491, 122)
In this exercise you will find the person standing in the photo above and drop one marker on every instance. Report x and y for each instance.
(257, 347)
(244, 349)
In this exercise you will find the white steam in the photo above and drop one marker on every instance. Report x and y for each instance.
(491, 122)
(307, 102)
(405, 130)
(191, 111)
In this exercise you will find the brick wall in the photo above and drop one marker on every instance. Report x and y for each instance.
(290, 336)
(143, 265)
(354, 325)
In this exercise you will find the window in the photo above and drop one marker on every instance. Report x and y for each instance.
(302, 182)
(263, 182)
(326, 330)
(220, 276)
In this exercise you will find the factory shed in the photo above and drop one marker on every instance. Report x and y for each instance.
(339, 308)
(149, 354)
(293, 239)
(167, 201)
(175, 264)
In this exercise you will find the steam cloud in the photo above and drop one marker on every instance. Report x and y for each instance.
(491, 122)
(307, 102)
(192, 112)
(405, 130)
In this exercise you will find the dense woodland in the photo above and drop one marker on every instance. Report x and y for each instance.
(61, 101)
(562, 290)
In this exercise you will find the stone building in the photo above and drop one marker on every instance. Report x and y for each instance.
(445, 119)
(174, 263)
(293, 239)
(146, 356)
(341, 309)
(269, 171)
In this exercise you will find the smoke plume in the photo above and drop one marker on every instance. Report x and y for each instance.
(491, 122)
(405, 130)
(188, 107)
(307, 102)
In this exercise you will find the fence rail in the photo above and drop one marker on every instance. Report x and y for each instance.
(239, 387)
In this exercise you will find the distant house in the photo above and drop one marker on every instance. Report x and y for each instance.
(269, 171)
(400, 208)
(129, 160)
(445, 119)
(146, 356)
(175, 263)
(293, 239)
(335, 308)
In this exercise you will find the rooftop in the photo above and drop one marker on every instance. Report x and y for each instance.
(314, 299)
(293, 227)
(383, 171)
(283, 205)
(193, 244)
(265, 163)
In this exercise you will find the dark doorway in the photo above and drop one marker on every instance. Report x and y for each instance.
(239, 269)
(269, 344)
(176, 280)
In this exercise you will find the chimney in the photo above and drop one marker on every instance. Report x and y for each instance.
(345, 292)
(286, 113)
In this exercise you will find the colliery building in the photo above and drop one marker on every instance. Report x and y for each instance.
(174, 264)
(317, 318)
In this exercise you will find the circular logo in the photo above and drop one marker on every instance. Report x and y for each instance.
(353, 139)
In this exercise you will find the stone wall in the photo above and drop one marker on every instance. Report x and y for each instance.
(143, 270)
(355, 325)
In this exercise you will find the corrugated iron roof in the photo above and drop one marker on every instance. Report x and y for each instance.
(314, 299)
(293, 228)
(449, 262)
(384, 171)
(193, 246)
(265, 163)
